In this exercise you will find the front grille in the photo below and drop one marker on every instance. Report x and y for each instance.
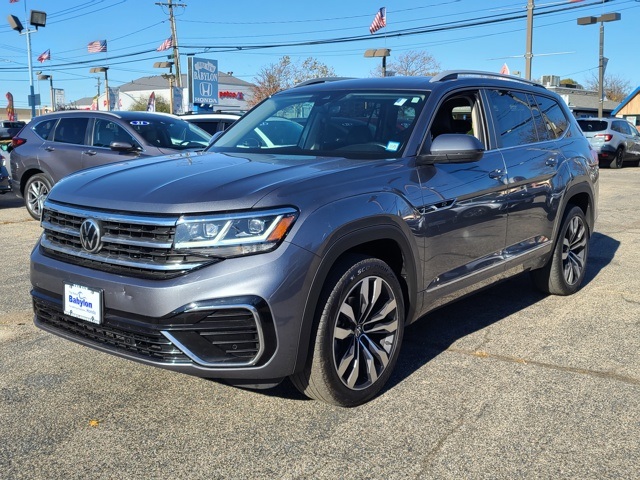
(148, 344)
(135, 245)
(229, 336)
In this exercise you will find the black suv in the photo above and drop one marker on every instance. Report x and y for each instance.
(317, 227)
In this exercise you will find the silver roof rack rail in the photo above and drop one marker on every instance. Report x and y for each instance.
(315, 81)
(455, 74)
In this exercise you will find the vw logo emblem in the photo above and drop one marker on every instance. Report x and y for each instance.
(91, 235)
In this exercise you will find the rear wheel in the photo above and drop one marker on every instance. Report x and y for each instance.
(360, 327)
(618, 160)
(566, 268)
(35, 193)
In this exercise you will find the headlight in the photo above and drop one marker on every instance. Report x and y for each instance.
(232, 235)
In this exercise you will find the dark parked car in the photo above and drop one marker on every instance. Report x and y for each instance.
(317, 227)
(57, 144)
(616, 140)
(9, 128)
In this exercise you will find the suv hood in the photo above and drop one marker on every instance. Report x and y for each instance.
(189, 183)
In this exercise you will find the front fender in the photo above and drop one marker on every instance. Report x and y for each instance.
(346, 226)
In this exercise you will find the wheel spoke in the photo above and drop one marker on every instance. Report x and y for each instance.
(369, 296)
(386, 309)
(342, 333)
(380, 353)
(346, 360)
(370, 363)
(347, 311)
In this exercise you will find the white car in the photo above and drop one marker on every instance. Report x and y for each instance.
(212, 122)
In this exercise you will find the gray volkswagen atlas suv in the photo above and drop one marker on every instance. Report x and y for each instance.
(317, 227)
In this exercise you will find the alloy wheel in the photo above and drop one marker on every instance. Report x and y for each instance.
(574, 250)
(36, 194)
(365, 333)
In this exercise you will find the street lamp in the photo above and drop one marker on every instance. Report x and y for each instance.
(106, 83)
(36, 19)
(50, 78)
(167, 76)
(602, 61)
(379, 52)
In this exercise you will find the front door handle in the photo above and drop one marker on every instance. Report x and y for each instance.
(497, 174)
(551, 161)
(91, 153)
(49, 149)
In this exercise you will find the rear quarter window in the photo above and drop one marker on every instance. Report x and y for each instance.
(44, 129)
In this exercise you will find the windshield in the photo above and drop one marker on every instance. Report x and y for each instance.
(360, 124)
(171, 133)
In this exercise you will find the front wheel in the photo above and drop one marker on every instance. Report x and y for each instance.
(35, 193)
(360, 327)
(566, 268)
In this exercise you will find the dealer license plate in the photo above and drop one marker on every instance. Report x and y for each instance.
(83, 303)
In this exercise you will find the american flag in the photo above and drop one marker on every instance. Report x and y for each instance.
(13, 1)
(166, 45)
(379, 21)
(44, 56)
(97, 46)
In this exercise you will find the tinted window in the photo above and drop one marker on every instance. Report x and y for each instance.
(593, 125)
(171, 133)
(513, 117)
(71, 130)
(555, 122)
(44, 129)
(105, 132)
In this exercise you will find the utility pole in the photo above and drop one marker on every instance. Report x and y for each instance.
(528, 56)
(174, 35)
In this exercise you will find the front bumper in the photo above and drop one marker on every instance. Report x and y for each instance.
(239, 319)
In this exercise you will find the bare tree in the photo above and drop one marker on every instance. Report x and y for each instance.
(285, 74)
(410, 64)
(615, 88)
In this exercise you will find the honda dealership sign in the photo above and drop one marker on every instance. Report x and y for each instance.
(203, 82)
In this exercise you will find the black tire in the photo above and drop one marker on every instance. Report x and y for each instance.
(360, 324)
(35, 193)
(618, 160)
(565, 270)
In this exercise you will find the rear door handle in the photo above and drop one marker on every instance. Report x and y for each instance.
(49, 149)
(91, 153)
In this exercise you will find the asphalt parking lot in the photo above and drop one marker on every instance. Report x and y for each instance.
(506, 384)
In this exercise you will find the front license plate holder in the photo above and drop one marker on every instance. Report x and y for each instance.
(83, 302)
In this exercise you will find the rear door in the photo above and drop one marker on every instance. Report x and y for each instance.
(529, 129)
(62, 153)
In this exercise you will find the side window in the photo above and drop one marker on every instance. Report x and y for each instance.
(541, 128)
(617, 127)
(459, 114)
(555, 121)
(44, 129)
(71, 130)
(105, 132)
(513, 118)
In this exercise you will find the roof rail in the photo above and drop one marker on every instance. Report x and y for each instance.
(314, 81)
(455, 74)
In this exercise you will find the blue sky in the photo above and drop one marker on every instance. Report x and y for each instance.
(135, 28)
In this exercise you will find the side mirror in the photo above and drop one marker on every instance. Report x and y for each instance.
(123, 147)
(453, 148)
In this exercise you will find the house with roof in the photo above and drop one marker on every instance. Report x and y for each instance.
(629, 108)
